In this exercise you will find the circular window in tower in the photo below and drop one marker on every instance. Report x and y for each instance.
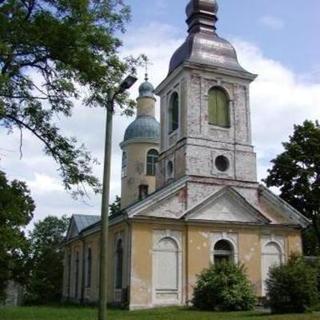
(169, 169)
(222, 163)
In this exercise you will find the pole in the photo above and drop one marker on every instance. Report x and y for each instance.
(103, 286)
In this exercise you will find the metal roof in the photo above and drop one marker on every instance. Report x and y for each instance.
(203, 45)
(143, 127)
(84, 221)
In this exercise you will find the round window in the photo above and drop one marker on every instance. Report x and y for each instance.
(222, 163)
(170, 168)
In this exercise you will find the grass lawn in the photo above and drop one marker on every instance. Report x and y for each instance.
(79, 313)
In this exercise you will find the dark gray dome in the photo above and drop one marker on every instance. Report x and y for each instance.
(208, 49)
(144, 127)
(203, 46)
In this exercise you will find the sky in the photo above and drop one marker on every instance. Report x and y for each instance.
(275, 39)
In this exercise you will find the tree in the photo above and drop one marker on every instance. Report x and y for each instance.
(16, 211)
(51, 51)
(115, 207)
(296, 172)
(46, 260)
(224, 287)
(292, 287)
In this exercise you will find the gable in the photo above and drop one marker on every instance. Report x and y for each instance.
(170, 207)
(80, 222)
(73, 230)
(282, 209)
(226, 206)
(168, 202)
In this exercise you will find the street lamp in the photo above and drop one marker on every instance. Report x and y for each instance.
(126, 84)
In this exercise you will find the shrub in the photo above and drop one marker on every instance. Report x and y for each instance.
(292, 288)
(224, 287)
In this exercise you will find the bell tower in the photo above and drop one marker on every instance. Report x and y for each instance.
(205, 107)
(140, 150)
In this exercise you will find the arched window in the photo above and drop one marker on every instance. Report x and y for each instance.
(152, 159)
(77, 275)
(69, 275)
(223, 251)
(124, 164)
(167, 271)
(89, 268)
(119, 264)
(271, 256)
(174, 112)
(218, 108)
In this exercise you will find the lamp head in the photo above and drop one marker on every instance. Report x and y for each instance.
(127, 83)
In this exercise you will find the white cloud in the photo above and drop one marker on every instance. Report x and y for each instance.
(279, 99)
(43, 183)
(272, 22)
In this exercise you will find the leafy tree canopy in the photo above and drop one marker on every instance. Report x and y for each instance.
(53, 52)
(115, 207)
(46, 260)
(296, 172)
(16, 210)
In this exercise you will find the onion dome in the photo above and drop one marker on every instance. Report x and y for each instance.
(143, 127)
(203, 46)
(146, 89)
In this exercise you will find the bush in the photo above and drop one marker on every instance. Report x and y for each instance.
(224, 287)
(292, 288)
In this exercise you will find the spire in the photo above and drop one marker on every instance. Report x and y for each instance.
(202, 16)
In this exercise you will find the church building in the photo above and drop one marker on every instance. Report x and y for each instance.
(190, 196)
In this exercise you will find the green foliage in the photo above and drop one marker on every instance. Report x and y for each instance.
(53, 52)
(115, 207)
(46, 261)
(16, 210)
(225, 287)
(173, 313)
(292, 288)
(296, 172)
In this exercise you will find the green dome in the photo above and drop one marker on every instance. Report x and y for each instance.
(143, 127)
(146, 90)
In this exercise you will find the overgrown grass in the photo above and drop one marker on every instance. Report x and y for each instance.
(79, 313)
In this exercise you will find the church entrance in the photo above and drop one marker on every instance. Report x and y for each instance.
(166, 272)
(271, 256)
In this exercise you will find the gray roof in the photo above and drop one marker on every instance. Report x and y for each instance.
(84, 221)
(143, 127)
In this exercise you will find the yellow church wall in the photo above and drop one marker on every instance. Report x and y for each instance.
(92, 241)
(197, 254)
(197, 257)
(200, 253)
(250, 256)
(294, 243)
(141, 264)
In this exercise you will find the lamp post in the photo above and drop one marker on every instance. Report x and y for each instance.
(126, 84)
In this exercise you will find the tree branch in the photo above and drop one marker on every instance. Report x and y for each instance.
(22, 124)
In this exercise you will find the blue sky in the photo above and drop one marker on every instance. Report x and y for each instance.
(275, 39)
(286, 30)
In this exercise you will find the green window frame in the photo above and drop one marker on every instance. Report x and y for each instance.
(218, 108)
(174, 112)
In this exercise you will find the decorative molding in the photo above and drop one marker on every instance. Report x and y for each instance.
(170, 296)
(231, 237)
